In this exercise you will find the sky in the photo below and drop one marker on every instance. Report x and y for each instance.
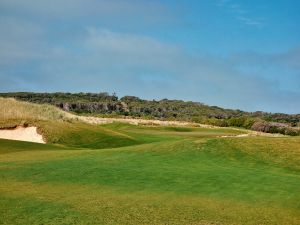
(240, 54)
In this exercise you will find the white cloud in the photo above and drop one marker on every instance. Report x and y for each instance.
(120, 43)
(35, 56)
(129, 49)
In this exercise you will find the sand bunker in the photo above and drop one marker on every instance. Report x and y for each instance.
(29, 134)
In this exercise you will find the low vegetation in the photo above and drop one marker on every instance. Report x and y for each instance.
(105, 105)
(127, 174)
(13, 112)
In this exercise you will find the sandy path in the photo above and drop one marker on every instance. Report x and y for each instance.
(29, 134)
(97, 120)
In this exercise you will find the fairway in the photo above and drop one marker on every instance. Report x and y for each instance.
(126, 174)
(140, 112)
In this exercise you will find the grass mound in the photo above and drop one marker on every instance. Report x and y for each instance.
(13, 112)
(59, 127)
(80, 135)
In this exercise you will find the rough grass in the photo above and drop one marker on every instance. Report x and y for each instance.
(13, 112)
(149, 175)
(59, 127)
(104, 205)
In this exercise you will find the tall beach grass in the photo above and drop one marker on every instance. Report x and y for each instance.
(13, 112)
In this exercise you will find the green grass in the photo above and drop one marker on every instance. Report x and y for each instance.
(178, 167)
(10, 146)
(81, 135)
(29, 211)
(125, 174)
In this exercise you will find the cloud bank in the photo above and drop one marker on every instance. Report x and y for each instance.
(35, 56)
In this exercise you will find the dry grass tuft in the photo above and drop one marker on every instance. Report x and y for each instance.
(13, 112)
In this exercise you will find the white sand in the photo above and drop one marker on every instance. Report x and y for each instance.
(29, 134)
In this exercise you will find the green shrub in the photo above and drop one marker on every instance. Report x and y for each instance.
(291, 132)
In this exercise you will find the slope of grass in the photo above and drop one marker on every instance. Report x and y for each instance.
(157, 175)
(13, 112)
(125, 174)
(104, 205)
(283, 152)
(59, 127)
(9, 146)
(171, 131)
(178, 167)
(29, 211)
(81, 135)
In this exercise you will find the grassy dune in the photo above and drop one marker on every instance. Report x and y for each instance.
(59, 127)
(13, 112)
(125, 174)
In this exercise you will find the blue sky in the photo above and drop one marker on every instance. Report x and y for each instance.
(235, 54)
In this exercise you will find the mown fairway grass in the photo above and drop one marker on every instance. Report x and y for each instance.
(124, 174)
